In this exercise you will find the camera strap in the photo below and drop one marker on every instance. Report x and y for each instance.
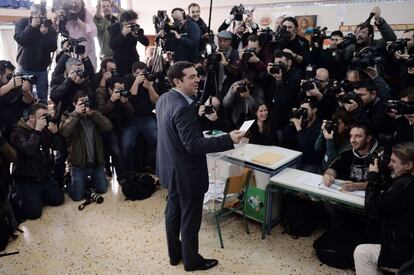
(83, 205)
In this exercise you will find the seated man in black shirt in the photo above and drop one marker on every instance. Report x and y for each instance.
(143, 98)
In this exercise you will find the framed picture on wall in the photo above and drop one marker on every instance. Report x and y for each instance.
(304, 22)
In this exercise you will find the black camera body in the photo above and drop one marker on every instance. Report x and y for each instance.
(318, 36)
(331, 126)
(343, 86)
(150, 76)
(242, 87)
(277, 68)
(124, 93)
(348, 40)
(74, 45)
(136, 29)
(81, 73)
(86, 102)
(115, 73)
(397, 45)
(28, 77)
(346, 98)
(307, 85)
(208, 109)
(238, 12)
(51, 119)
(300, 112)
(401, 107)
(247, 53)
(366, 57)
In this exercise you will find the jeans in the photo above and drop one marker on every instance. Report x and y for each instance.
(147, 126)
(34, 194)
(80, 175)
(111, 144)
(42, 86)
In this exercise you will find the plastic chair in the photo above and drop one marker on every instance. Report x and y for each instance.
(234, 184)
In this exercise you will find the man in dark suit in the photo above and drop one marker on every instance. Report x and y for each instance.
(182, 165)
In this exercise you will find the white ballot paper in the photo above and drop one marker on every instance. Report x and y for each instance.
(246, 125)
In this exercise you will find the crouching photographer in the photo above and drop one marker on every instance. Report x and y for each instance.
(390, 202)
(34, 139)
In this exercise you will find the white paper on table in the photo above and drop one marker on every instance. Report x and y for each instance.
(310, 179)
(337, 187)
(246, 125)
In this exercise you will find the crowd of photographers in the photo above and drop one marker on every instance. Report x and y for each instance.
(342, 106)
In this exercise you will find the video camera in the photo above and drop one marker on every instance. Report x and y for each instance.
(300, 112)
(366, 57)
(348, 40)
(318, 34)
(331, 126)
(400, 107)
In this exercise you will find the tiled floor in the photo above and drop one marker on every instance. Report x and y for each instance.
(126, 237)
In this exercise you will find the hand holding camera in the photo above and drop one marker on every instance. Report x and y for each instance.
(36, 21)
(41, 123)
(126, 29)
(275, 70)
(140, 78)
(115, 96)
(80, 107)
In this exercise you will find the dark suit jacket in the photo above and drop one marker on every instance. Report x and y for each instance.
(181, 146)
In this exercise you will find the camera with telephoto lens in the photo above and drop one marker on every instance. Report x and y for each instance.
(397, 45)
(366, 57)
(343, 86)
(238, 12)
(28, 77)
(346, 98)
(348, 40)
(94, 197)
(331, 126)
(208, 109)
(124, 93)
(81, 73)
(86, 102)
(50, 119)
(242, 87)
(136, 29)
(277, 68)
(247, 53)
(300, 112)
(400, 107)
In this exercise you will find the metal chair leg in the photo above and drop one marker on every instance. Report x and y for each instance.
(219, 231)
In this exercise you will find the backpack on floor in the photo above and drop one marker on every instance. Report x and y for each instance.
(138, 187)
(299, 216)
(7, 224)
(335, 247)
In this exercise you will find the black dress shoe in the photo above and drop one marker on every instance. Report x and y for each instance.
(174, 262)
(204, 265)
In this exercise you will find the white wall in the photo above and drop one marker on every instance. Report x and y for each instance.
(330, 14)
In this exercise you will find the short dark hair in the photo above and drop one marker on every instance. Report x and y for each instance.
(367, 84)
(138, 65)
(364, 126)
(177, 71)
(337, 33)
(344, 116)
(110, 82)
(105, 62)
(280, 54)
(128, 15)
(5, 64)
(291, 19)
(78, 94)
(193, 5)
(312, 103)
(369, 26)
(254, 38)
(35, 107)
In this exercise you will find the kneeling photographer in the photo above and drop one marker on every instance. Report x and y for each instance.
(391, 202)
(34, 139)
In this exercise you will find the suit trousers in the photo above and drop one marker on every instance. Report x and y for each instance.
(183, 214)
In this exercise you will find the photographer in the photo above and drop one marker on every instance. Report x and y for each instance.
(240, 30)
(241, 98)
(113, 102)
(334, 137)
(124, 36)
(76, 21)
(297, 46)
(184, 40)
(36, 39)
(15, 96)
(143, 99)
(64, 86)
(394, 208)
(194, 14)
(365, 37)
(83, 128)
(103, 19)
(302, 133)
(404, 118)
(352, 165)
(34, 141)
(281, 86)
(318, 89)
(251, 58)
(107, 70)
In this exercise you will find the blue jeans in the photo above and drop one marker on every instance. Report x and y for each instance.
(111, 144)
(34, 194)
(42, 86)
(78, 184)
(147, 126)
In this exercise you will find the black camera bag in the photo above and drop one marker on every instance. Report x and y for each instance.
(138, 187)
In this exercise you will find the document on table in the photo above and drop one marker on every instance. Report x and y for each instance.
(268, 158)
(246, 125)
(337, 187)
